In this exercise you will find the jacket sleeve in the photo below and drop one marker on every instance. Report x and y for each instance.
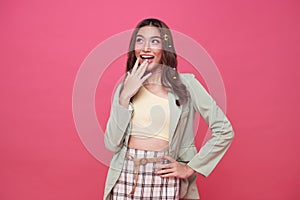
(222, 133)
(117, 124)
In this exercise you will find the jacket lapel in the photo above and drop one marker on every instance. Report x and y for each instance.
(175, 112)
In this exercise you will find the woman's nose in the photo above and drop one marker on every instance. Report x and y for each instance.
(146, 46)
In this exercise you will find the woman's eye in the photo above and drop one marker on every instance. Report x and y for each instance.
(139, 40)
(155, 41)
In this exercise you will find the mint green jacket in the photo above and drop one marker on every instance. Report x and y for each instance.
(181, 135)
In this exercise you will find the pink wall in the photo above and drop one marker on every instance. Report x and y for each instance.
(255, 45)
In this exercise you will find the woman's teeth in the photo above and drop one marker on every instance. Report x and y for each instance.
(147, 57)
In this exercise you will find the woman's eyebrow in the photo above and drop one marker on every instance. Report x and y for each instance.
(150, 37)
(156, 37)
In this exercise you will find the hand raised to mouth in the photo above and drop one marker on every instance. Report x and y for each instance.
(133, 81)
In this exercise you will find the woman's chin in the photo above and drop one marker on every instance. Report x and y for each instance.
(154, 67)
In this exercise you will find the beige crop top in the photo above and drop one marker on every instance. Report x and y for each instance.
(151, 115)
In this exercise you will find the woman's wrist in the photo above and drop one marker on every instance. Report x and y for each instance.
(189, 171)
(124, 100)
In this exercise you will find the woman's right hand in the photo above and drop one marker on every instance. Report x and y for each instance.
(133, 82)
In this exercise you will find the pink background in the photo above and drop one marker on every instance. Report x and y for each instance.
(255, 45)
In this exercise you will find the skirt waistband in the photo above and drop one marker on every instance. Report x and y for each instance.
(138, 153)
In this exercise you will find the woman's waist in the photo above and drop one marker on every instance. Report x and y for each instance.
(148, 143)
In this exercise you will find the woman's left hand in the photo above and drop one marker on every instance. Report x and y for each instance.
(174, 169)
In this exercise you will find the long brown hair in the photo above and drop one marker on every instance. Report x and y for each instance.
(170, 77)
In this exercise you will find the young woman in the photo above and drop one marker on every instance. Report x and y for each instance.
(150, 128)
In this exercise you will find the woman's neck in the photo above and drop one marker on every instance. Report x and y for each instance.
(154, 79)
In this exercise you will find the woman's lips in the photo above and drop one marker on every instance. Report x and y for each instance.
(149, 58)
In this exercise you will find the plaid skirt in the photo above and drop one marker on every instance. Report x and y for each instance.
(144, 184)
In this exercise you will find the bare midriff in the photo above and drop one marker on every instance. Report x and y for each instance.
(150, 144)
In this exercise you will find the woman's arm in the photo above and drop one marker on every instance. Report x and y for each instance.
(117, 123)
(120, 115)
(222, 133)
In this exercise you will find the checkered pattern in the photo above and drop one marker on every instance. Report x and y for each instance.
(149, 185)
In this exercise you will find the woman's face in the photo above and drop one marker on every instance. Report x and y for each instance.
(148, 46)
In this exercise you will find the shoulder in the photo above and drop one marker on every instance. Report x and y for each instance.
(186, 76)
(195, 88)
(189, 80)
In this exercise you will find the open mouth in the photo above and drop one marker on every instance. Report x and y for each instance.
(149, 58)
